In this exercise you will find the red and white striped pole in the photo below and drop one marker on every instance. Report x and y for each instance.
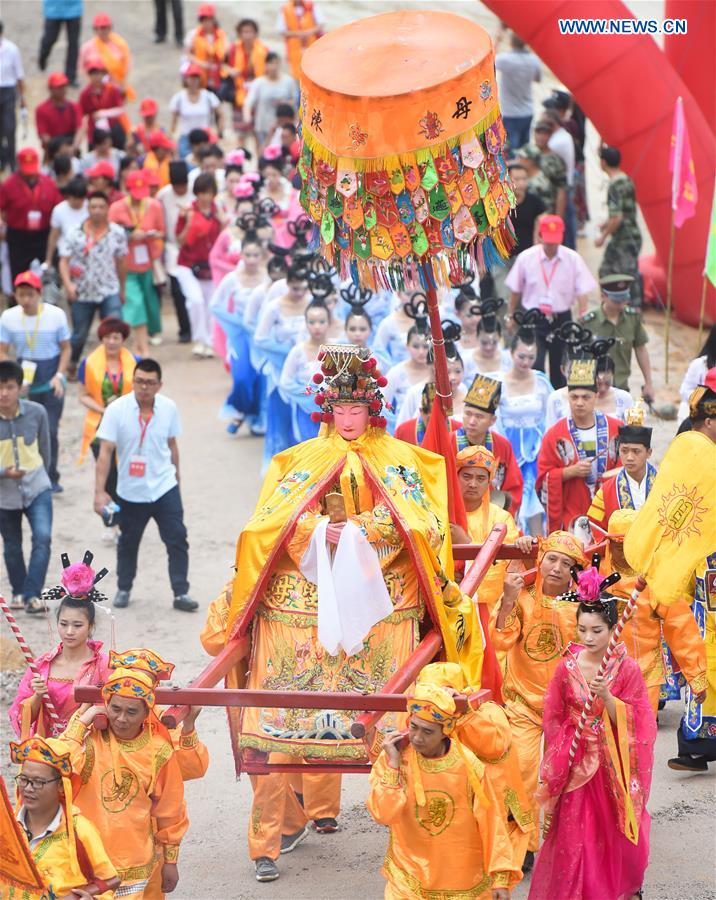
(613, 641)
(30, 659)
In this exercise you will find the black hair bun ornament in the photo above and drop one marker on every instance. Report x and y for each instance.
(529, 322)
(320, 284)
(78, 581)
(571, 333)
(417, 309)
(300, 229)
(357, 297)
(600, 347)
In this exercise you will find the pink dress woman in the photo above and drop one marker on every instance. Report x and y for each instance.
(597, 847)
(60, 690)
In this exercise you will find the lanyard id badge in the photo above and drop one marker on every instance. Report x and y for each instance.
(138, 462)
(137, 466)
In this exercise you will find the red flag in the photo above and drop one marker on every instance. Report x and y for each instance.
(681, 164)
(437, 439)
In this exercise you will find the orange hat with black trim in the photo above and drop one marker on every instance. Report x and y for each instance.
(551, 229)
(28, 161)
(28, 278)
(478, 457)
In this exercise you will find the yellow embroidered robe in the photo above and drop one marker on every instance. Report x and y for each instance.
(450, 847)
(145, 809)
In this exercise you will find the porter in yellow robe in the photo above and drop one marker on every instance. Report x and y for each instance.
(534, 636)
(132, 790)
(447, 834)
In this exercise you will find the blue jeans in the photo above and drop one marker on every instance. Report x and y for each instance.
(518, 131)
(29, 580)
(168, 513)
(82, 316)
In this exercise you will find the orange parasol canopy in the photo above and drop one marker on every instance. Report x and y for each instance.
(401, 163)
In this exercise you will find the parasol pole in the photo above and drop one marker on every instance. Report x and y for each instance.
(702, 314)
(613, 641)
(442, 380)
(669, 279)
(30, 660)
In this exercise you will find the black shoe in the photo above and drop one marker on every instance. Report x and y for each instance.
(325, 826)
(289, 842)
(529, 862)
(121, 599)
(185, 603)
(160, 40)
(266, 869)
(688, 764)
(184, 339)
(57, 488)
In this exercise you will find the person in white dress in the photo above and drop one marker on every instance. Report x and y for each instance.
(489, 356)
(414, 371)
(696, 372)
(521, 418)
(301, 365)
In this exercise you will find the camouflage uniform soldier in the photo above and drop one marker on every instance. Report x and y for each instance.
(614, 318)
(621, 255)
(538, 183)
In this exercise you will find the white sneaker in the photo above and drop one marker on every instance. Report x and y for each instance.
(197, 349)
(206, 351)
(110, 535)
(17, 602)
(155, 341)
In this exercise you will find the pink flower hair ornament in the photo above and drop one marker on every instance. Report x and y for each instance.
(78, 581)
(591, 586)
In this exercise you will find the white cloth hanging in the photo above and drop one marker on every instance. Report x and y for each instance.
(352, 596)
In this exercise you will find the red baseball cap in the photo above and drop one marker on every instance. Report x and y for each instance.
(193, 69)
(148, 107)
(206, 11)
(152, 177)
(102, 20)
(57, 79)
(159, 139)
(102, 169)
(28, 161)
(551, 229)
(137, 185)
(95, 64)
(28, 278)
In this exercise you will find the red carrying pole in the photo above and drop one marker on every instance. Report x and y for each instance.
(236, 650)
(424, 653)
(271, 699)
(484, 559)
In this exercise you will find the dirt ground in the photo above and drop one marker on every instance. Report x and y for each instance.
(220, 481)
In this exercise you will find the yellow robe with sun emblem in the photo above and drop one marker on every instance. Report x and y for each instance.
(534, 637)
(450, 847)
(145, 809)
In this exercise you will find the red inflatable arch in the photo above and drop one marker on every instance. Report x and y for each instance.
(626, 85)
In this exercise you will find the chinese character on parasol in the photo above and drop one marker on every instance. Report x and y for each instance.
(401, 164)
